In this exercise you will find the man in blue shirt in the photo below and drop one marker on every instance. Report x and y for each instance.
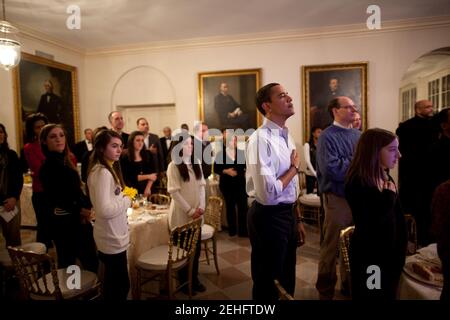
(335, 150)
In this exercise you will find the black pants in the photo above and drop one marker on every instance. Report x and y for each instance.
(116, 282)
(237, 221)
(66, 233)
(43, 219)
(310, 183)
(273, 235)
(87, 248)
(74, 240)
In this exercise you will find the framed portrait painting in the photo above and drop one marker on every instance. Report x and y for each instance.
(227, 99)
(49, 87)
(322, 83)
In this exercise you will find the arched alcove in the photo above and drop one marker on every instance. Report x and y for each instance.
(145, 91)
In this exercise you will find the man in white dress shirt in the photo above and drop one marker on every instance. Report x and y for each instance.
(271, 179)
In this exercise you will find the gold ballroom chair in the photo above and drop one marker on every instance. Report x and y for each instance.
(412, 234)
(309, 203)
(160, 199)
(40, 280)
(6, 264)
(162, 188)
(162, 263)
(344, 238)
(210, 228)
(282, 293)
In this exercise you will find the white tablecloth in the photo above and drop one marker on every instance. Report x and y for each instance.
(28, 215)
(146, 231)
(412, 289)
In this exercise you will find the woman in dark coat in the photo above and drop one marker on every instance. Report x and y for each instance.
(230, 165)
(379, 239)
(69, 206)
(11, 181)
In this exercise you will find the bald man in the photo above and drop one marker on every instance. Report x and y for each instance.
(416, 136)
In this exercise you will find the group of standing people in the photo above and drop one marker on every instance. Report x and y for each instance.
(352, 171)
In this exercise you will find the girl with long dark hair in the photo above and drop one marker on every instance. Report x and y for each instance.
(186, 185)
(138, 165)
(111, 234)
(379, 238)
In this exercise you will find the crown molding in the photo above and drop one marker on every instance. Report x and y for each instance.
(351, 30)
(31, 34)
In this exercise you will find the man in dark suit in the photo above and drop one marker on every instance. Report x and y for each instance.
(152, 143)
(320, 116)
(82, 147)
(51, 104)
(201, 143)
(116, 120)
(166, 141)
(229, 111)
(416, 137)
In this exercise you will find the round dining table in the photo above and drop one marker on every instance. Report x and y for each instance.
(149, 228)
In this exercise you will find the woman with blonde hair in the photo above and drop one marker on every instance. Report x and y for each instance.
(379, 238)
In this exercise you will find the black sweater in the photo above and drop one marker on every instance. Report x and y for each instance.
(62, 185)
(10, 165)
(379, 238)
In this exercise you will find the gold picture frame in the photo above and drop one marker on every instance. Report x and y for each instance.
(30, 96)
(234, 109)
(320, 83)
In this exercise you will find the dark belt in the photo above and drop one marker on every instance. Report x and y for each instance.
(280, 205)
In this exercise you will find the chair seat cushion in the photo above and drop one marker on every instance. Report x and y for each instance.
(311, 199)
(207, 231)
(87, 281)
(157, 258)
(37, 247)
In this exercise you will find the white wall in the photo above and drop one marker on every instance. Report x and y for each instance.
(61, 54)
(389, 54)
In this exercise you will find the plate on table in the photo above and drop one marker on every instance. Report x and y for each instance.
(411, 269)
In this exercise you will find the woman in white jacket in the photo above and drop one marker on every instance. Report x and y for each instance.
(186, 185)
(310, 158)
(111, 233)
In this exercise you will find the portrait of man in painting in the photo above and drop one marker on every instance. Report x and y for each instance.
(47, 87)
(324, 83)
(227, 100)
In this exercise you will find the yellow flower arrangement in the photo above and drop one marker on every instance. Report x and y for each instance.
(130, 192)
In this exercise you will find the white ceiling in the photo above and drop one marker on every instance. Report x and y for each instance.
(109, 23)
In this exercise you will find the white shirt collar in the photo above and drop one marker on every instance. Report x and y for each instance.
(337, 124)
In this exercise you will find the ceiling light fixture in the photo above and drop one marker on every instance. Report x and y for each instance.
(9, 43)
